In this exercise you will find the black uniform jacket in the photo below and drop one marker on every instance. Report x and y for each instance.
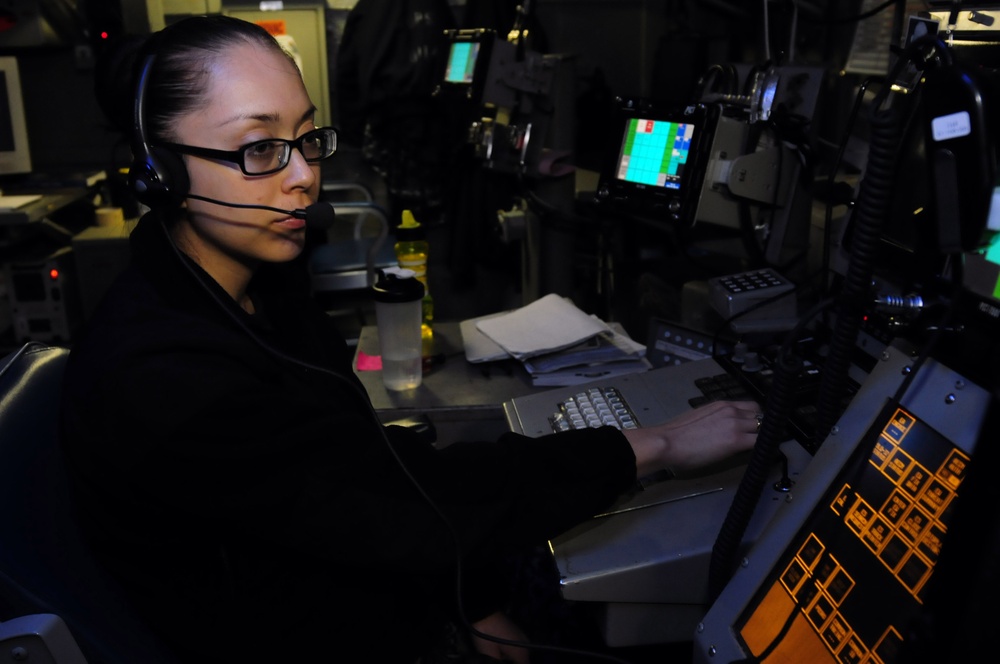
(232, 473)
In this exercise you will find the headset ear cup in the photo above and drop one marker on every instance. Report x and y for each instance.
(159, 179)
(144, 182)
(172, 169)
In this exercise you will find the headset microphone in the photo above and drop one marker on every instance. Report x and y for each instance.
(318, 216)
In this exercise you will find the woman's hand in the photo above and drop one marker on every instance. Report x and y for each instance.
(499, 625)
(697, 438)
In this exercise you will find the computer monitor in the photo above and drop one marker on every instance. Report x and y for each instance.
(477, 59)
(723, 170)
(502, 91)
(14, 155)
(659, 162)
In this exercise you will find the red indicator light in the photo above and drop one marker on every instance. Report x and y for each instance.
(8, 20)
(53, 274)
(104, 34)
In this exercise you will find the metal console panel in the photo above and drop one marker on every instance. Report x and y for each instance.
(939, 397)
(647, 559)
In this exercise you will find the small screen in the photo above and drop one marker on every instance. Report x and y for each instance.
(859, 568)
(993, 216)
(654, 152)
(992, 250)
(462, 62)
(982, 272)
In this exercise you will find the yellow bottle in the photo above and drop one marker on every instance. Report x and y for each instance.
(411, 253)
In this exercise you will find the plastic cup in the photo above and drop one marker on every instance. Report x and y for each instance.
(398, 317)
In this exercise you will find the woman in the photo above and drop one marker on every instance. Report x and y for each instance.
(230, 468)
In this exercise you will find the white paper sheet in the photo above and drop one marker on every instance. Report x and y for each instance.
(548, 324)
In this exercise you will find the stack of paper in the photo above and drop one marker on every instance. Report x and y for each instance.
(557, 343)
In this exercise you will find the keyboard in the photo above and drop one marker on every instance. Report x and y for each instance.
(739, 383)
(737, 380)
(593, 407)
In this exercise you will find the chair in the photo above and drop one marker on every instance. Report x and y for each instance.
(343, 268)
(349, 263)
(45, 565)
(38, 639)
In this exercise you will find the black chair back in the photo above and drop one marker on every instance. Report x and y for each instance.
(45, 565)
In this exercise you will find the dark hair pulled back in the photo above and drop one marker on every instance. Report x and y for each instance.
(177, 84)
(185, 52)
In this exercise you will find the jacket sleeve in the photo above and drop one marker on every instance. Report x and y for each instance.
(300, 463)
(526, 490)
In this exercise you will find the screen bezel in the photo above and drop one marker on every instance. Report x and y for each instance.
(17, 159)
(670, 204)
(471, 89)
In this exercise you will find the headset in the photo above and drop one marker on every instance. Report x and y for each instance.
(157, 177)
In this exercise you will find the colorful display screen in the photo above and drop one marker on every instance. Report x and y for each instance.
(654, 152)
(461, 62)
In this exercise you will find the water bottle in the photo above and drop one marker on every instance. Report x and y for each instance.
(411, 253)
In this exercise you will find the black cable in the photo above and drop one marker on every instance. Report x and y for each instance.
(874, 206)
(748, 493)
(707, 81)
(854, 297)
(776, 415)
(831, 180)
(747, 233)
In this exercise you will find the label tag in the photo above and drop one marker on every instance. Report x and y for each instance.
(954, 125)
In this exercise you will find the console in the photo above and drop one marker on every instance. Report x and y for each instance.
(844, 570)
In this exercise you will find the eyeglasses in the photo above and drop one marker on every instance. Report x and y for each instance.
(270, 155)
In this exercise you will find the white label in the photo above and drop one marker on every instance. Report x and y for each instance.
(272, 5)
(954, 125)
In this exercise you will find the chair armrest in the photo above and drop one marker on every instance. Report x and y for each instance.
(361, 190)
(41, 638)
(361, 207)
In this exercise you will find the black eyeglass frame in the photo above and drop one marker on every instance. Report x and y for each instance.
(238, 156)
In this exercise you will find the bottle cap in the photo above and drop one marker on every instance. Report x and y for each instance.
(397, 285)
(409, 229)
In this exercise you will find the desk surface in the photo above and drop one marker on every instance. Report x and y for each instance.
(50, 201)
(452, 391)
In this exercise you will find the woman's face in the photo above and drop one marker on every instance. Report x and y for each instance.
(253, 93)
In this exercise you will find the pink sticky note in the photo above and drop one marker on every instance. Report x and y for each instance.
(368, 362)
